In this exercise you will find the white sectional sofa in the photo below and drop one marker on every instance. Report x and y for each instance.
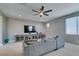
(60, 42)
(43, 47)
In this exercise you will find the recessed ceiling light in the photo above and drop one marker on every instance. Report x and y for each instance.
(20, 15)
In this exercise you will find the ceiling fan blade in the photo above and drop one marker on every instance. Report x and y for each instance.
(47, 11)
(35, 14)
(46, 14)
(34, 10)
(42, 8)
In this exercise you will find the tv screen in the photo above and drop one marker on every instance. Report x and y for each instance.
(29, 29)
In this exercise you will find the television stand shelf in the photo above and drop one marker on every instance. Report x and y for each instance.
(28, 38)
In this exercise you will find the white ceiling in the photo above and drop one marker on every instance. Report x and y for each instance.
(24, 10)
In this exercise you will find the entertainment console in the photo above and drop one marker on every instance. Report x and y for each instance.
(30, 37)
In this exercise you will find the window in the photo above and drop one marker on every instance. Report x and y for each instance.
(72, 25)
(78, 25)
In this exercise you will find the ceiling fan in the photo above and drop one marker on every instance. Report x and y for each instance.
(41, 12)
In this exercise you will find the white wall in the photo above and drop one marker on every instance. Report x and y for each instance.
(57, 27)
(16, 27)
(1, 29)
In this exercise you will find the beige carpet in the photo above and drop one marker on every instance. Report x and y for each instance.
(16, 49)
(68, 50)
(12, 49)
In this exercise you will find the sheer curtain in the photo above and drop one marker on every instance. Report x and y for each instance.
(71, 26)
(72, 29)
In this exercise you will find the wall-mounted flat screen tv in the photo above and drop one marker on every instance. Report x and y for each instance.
(29, 29)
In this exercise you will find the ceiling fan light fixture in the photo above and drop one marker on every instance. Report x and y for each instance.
(41, 12)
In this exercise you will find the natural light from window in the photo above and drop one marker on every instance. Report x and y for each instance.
(72, 25)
